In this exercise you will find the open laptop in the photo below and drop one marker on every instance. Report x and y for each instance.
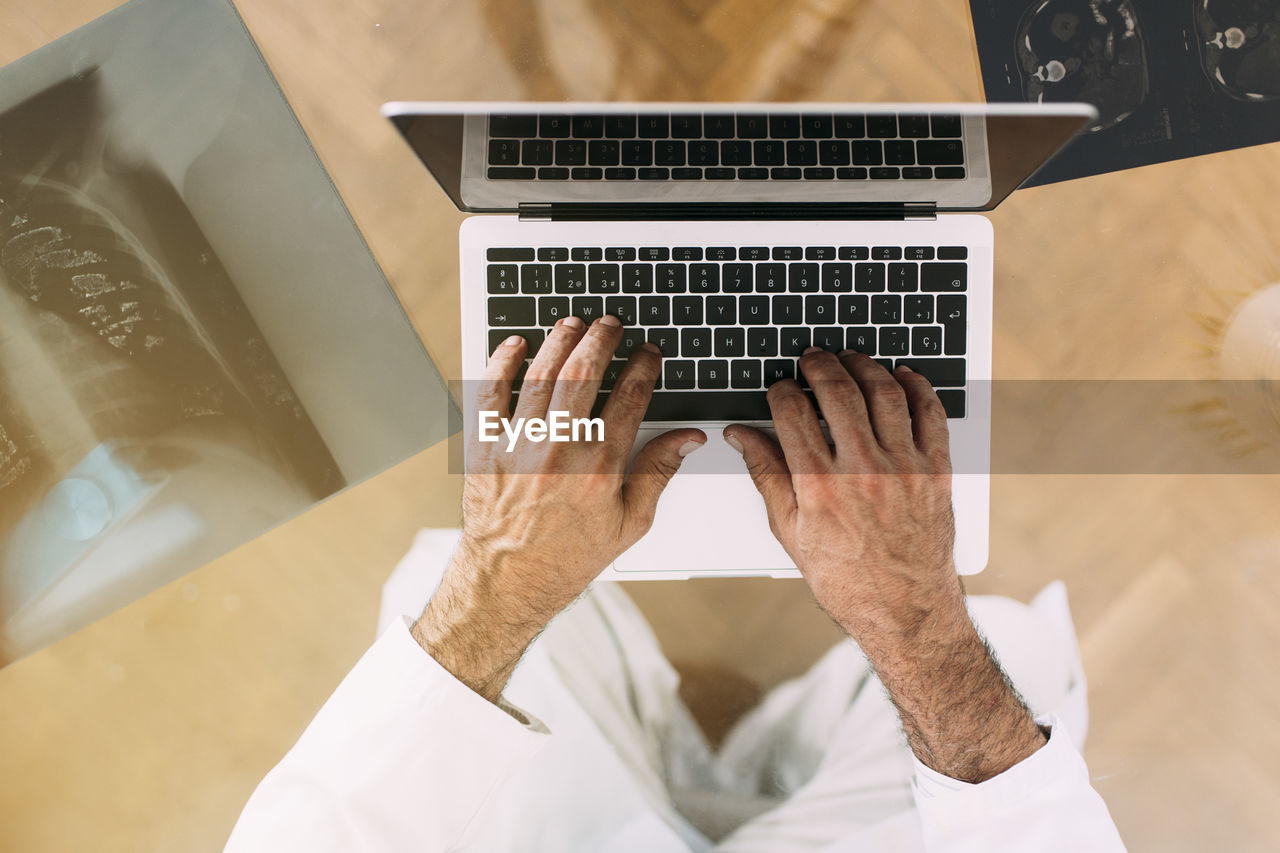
(734, 236)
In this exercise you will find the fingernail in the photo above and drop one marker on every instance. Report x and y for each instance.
(572, 323)
(610, 320)
(513, 341)
(903, 367)
(648, 346)
(845, 352)
(811, 349)
(688, 447)
(733, 442)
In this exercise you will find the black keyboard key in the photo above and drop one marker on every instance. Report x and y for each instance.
(784, 126)
(604, 152)
(612, 373)
(886, 173)
(804, 278)
(704, 153)
(619, 253)
(917, 309)
(802, 152)
(686, 310)
(735, 152)
(504, 152)
(721, 310)
(654, 174)
(771, 278)
(513, 125)
(745, 373)
(655, 253)
(944, 278)
(604, 278)
(819, 173)
(652, 126)
(934, 152)
(587, 126)
(941, 372)
(753, 126)
(946, 126)
(850, 127)
(894, 340)
(926, 340)
(851, 174)
(868, 278)
(918, 253)
(503, 279)
(867, 152)
(620, 126)
(655, 310)
(571, 152)
(819, 310)
(670, 278)
(686, 174)
(713, 373)
(622, 307)
(854, 253)
(553, 254)
(787, 309)
(506, 311)
(853, 311)
(632, 340)
(536, 279)
(553, 173)
(738, 278)
(510, 173)
(785, 173)
(686, 126)
(718, 127)
(913, 127)
(704, 278)
(776, 370)
(886, 253)
(555, 126)
(537, 152)
(571, 278)
(509, 255)
(753, 253)
(833, 152)
(721, 253)
(770, 152)
(899, 152)
(886, 309)
(945, 253)
(686, 253)
(668, 152)
(586, 253)
(916, 173)
(816, 126)
(532, 337)
(637, 152)
(552, 309)
(903, 278)
(730, 342)
(861, 339)
(666, 340)
(753, 174)
(621, 174)
(837, 278)
(952, 401)
(949, 173)
(830, 338)
(753, 310)
(762, 342)
(951, 313)
(820, 253)
(793, 340)
(788, 253)
(882, 126)
(588, 308)
(695, 343)
(637, 278)
(679, 375)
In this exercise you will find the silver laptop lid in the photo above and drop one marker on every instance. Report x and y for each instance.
(812, 160)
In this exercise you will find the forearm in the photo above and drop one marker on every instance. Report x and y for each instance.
(960, 715)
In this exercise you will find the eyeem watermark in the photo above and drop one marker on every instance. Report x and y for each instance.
(558, 426)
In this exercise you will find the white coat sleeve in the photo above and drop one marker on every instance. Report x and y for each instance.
(1043, 804)
(401, 757)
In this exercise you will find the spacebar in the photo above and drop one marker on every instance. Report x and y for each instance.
(708, 406)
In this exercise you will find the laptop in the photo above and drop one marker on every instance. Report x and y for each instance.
(734, 236)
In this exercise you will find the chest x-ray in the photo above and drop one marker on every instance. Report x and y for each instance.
(195, 343)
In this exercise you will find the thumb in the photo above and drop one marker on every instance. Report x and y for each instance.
(768, 469)
(653, 468)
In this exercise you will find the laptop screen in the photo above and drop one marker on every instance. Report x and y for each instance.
(493, 157)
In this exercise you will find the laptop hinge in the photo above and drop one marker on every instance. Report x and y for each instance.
(589, 212)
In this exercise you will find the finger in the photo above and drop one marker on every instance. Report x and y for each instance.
(840, 399)
(654, 466)
(768, 469)
(928, 418)
(625, 408)
(799, 433)
(885, 400)
(540, 379)
(579, 379)
(494, 392)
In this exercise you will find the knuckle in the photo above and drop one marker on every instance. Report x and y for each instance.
(632, 394)
(887, 394)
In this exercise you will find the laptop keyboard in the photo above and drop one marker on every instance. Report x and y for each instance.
(732, 320)
(742, 147)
